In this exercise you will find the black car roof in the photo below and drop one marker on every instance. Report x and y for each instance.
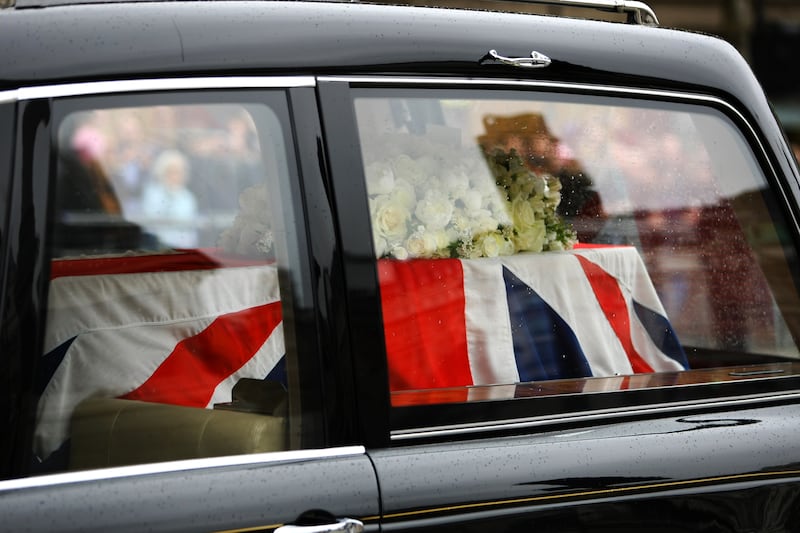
(96, 41)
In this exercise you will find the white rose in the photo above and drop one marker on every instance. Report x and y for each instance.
(421, 244)
(493, 245)
(429, 185)
(398, 252)
(553, 198)
(455, 181)
(486, 185)
(404, 193)
(531, 239)
(538, 205)
(390, 219)
(407, 169)
(522, 213)
(443, 239)
(435, 210)
(472, 199)
(460, 221)
(483, 222)
(380, 178)
(451, 234)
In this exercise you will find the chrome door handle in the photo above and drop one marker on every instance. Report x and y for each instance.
(537, 60)
(343, 525)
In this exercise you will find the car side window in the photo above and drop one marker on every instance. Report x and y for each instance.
(165, 323)
(542, 244)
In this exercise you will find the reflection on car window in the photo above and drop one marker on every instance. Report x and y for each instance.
(577, 244)
(176, 172)
(164, 335)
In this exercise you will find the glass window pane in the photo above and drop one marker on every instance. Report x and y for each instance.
(164, 336)
(552, 237)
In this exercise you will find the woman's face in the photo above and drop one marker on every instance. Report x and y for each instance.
(174, 176)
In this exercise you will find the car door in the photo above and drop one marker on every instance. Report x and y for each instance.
(162, 325)
(583, 295)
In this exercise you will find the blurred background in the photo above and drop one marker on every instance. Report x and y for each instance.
(766, 32)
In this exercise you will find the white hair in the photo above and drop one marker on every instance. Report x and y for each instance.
(167, 159)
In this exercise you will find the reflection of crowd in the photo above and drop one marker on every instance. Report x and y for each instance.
(115, 162)
(84, 182)
(168, 204)
(693, 238)
(652, 185)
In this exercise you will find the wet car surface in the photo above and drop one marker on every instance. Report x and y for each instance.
(348, 267)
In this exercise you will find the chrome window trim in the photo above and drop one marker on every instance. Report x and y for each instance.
(267, 458)
(611, 89)
(587, 416)
(155, 84)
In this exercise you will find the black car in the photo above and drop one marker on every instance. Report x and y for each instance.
(319, 266)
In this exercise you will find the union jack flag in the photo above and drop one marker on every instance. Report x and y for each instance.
(164, 328)
(583, 313)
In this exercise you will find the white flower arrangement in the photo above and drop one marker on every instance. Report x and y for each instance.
(437, 207)
(251, 231)
(429, 207)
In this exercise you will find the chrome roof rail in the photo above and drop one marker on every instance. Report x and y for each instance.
(637, 12)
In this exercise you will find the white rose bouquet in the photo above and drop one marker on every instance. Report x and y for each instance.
(434, 206)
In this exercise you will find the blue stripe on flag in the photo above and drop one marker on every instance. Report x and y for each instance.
(660, 331)
(49, 363)
(545, 347)
(278, 373)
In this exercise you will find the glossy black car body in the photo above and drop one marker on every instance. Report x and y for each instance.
(726, 460)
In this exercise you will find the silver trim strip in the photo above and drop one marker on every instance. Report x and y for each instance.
(157, 84)
(641, 12)
(559, 419)
(180, 466)
(611, 89)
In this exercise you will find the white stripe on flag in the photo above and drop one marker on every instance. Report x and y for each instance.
(258, 367)
(489, 343)
(87, 303)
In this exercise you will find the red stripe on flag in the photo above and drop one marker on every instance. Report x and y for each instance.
(204, 259)
(612, 302)
(200, 363)
(423, 316)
